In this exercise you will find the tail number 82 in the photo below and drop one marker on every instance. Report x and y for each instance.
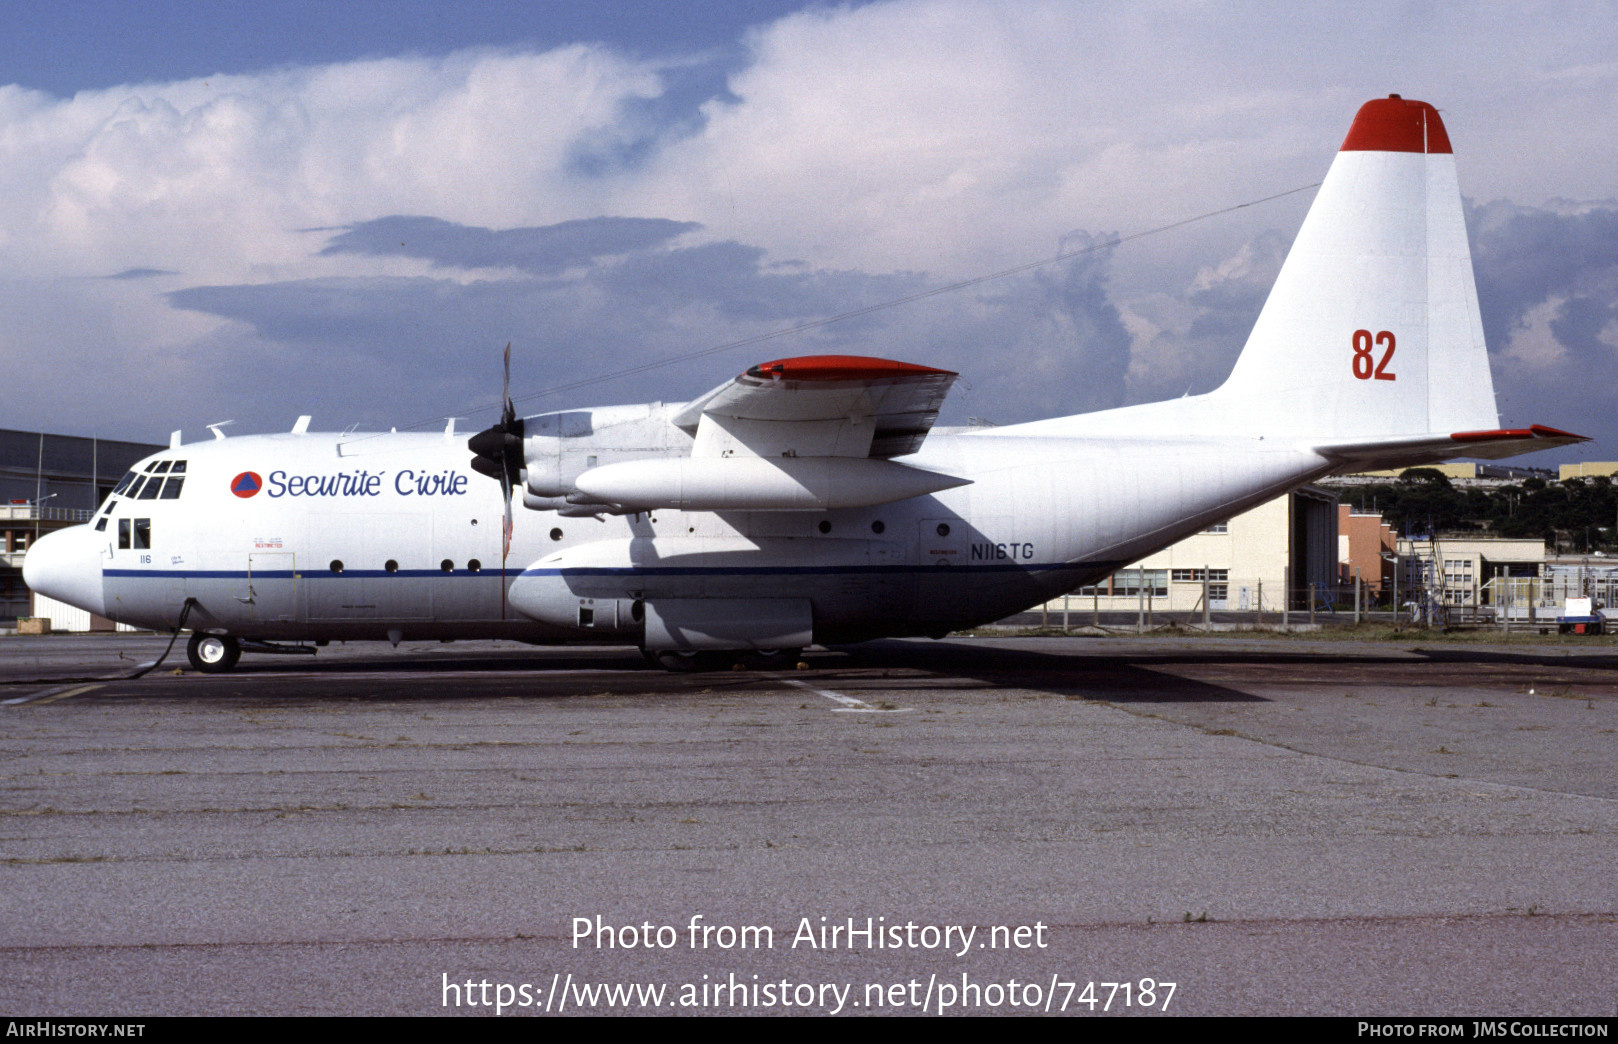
(1366, 366)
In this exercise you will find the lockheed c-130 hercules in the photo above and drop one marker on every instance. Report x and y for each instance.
(805, 500)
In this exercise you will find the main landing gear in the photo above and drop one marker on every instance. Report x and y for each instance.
(687, 661)
(213, 653)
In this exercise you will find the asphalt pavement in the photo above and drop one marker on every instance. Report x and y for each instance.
(1013, 825)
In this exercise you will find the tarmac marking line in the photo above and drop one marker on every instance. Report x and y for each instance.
(52, 695)
(850, 704)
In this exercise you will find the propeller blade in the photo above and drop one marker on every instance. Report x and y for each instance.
(508, 411)
(513, 468)
(498, 453)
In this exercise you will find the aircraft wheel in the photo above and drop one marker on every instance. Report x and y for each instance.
(213, 653)
(681, 661)
(770, 659)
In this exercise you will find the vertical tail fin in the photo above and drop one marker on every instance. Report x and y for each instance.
(1372, 328)
(1369, 350)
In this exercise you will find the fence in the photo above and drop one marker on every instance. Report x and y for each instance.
(1146, 599)
(1534, 599)
(30, 512)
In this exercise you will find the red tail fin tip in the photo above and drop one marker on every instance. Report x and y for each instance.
(1395, 124)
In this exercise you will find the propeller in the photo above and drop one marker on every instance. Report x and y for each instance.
(499, 455)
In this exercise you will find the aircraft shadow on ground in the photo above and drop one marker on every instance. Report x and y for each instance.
(1586, 661)
(1086, 672)
(928, 665)
(1118, 679)
(566, 672)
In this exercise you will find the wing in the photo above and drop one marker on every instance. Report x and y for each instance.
(806, 434)
(819, 406)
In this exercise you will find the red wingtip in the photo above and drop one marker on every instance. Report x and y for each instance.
(1533, 431)
(1393, 124)
(839, 368)
(1543, 432)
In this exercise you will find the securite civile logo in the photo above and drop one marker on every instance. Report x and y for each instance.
(247, 484)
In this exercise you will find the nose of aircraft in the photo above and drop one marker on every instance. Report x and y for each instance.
(66, 566)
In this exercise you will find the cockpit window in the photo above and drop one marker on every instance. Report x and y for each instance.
(149, 483)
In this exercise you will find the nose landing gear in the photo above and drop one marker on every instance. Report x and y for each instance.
(213, 653)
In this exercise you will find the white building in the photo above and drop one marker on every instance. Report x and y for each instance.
(1288, 544)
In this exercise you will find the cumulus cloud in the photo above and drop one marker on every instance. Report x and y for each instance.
(1548, 290)
(1043, 343)
(1527, 255)
(1187, 338)
(215, 177)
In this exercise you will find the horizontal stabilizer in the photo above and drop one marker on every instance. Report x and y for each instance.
(1413, 451)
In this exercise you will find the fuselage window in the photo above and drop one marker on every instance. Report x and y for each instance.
(171, 488)
(336, 565)
(135, 534)
(446, 566)
(474, 566)
(391, 566)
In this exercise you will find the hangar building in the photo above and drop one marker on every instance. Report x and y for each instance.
(48, 482)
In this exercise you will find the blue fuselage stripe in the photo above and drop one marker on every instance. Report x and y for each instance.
(863, 570)
(463, 574)
(290, 574)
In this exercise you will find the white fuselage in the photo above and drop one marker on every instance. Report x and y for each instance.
(379, 536)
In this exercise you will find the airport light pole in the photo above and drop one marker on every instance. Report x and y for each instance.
(1394, 558)
(38, 504)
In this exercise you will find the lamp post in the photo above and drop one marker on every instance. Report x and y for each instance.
(37, 504)
(1394, 558)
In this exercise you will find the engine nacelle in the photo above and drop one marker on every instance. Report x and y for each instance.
(558, 447)
(759, 483)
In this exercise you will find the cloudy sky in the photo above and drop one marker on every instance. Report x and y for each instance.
(348, 210)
